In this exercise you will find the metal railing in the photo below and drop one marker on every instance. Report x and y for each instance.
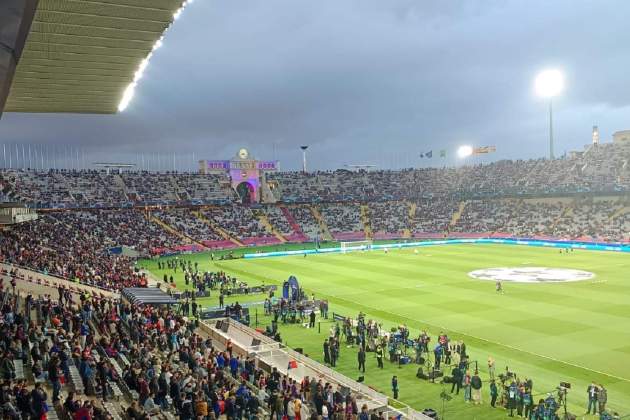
(278, 355)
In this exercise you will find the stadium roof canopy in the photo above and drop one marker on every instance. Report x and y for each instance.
(81, 56)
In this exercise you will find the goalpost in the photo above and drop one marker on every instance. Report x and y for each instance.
(355, 246)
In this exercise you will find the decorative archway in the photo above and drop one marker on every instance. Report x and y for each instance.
(246, 192)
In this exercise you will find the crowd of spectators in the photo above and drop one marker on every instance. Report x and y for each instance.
(278, 220)
(138, 362)
(389, 217)
(238, 221)
(184, 221)
(92, 188)
(75, 244)
(589, 219)
(304, 218)
(601, 168)
(433, 215)
(342, 217)
(52, 246)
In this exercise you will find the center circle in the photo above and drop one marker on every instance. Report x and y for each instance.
(531, 274)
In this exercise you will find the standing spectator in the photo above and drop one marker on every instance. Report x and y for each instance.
(491, 367)
(475, 384)
(361, 357)
(512, 396)
(466, 385)
(591, 391)
(53, 377)
(602, 398)
(38, 398)
(494, 393)
(379, 356)
(311, 323)
(395, 386)
(437, 352)
(457, 379)
(326, 352)
(528, 401)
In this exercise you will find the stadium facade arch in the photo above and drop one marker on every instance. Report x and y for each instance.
(247, 175)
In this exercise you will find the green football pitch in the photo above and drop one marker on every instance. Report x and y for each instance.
(574, 332)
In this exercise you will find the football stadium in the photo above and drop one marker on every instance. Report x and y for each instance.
(234, 288)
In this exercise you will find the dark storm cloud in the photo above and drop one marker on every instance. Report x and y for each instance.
(364, 81)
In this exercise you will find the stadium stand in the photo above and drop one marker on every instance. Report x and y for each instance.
(343, 220)
(581, 197)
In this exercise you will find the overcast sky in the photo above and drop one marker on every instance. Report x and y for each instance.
(362, 82)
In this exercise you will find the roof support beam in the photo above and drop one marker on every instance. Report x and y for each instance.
(16, 17)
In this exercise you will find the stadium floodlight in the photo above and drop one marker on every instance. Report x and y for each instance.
(464, 151)
(549, 83)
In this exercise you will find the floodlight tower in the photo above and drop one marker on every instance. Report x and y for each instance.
(304, 158)
(549, 83)
(595, 135)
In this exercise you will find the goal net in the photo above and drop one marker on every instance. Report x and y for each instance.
(355, 246)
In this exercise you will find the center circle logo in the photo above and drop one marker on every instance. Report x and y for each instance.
(531, 274)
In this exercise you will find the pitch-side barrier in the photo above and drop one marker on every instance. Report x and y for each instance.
(268, 354)
(591, 246)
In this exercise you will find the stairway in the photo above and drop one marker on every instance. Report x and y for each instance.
(264, 220)
(266, 195)
(224, 234)
(410, 219)
(620, 212)
(458, 214)
(121, 184)
(322, 223)
(292, 222)
(568, 211)
(365, 219)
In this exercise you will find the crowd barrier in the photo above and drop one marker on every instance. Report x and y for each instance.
(247, 342)
(591, 246)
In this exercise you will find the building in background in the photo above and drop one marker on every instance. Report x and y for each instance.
(622, 136)
(247, 175)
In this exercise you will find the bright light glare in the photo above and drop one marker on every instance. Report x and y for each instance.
(464, 151)
(549, 83)
(127, 97)
(131, 88)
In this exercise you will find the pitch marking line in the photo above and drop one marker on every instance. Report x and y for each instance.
(494, 342)
(454, 331)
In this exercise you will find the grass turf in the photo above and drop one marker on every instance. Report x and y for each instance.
(572, 332)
